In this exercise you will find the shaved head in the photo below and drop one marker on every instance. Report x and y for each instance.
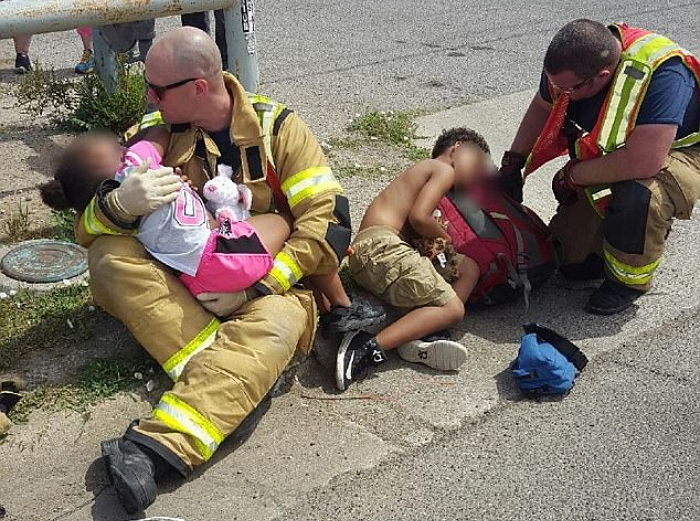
(185, 52)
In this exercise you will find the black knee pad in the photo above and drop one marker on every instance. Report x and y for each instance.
(625, 223)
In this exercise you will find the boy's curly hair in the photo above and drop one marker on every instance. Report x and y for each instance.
(458, 135)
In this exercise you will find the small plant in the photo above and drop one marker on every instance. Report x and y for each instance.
(52, 319)
(395, 128)
(63, 225)
(17, 227)
(96, 380)
(83, 104)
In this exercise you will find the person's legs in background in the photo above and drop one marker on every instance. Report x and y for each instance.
(145, 32)
(22, 62)
(198, 20)
(87, 60)
(220, 24)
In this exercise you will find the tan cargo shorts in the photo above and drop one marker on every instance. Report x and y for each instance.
(390, 268)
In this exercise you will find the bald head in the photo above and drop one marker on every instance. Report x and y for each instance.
(185, 52)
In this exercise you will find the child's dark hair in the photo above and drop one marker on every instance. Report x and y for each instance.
(458, 135)
(74, 182)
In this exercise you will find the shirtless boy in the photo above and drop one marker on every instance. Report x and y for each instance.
(384, 262)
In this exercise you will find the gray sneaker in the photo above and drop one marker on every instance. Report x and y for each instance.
(436, 351)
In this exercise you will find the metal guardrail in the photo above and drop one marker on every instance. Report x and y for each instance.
(45, 16)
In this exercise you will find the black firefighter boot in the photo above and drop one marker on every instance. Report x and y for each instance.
(611, 298)
(132, 473)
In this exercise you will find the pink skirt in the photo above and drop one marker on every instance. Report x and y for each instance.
(233, 260)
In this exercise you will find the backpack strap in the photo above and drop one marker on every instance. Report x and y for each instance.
(521, 255)
(561, 344)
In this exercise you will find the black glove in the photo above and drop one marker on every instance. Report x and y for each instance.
(511, 176)
(563, 186)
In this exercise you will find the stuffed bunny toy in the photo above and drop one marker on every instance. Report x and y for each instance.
(225, 199)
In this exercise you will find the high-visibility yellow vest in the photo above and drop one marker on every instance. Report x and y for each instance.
(642, 53)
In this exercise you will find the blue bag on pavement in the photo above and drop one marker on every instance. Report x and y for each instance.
(547, 362)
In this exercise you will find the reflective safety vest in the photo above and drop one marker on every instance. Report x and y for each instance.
(642, 53)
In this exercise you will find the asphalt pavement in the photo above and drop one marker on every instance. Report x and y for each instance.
(623, 445)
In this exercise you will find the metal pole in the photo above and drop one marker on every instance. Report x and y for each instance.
(47, 16)
(240, 41)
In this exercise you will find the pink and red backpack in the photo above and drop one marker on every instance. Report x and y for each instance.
(509, 242)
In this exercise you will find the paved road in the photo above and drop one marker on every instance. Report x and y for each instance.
(332, 59)
(624, 445)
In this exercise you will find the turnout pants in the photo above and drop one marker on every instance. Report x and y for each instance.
(631, 235)
(221, 370)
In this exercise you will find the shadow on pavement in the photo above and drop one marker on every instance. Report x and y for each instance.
(106, 506)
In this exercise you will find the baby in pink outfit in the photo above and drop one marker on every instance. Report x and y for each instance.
(211, 255)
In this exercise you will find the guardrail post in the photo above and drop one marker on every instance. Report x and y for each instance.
(106, 61)
(241, 45)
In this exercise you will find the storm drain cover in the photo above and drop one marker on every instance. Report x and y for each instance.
(44, 260)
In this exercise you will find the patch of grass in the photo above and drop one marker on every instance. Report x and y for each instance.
(83, 104)
(62, 226)
(57, 318)
(394, 128)
(375, 128)
(416, 154)
(96, 380)
(369, 172)
(17, 227)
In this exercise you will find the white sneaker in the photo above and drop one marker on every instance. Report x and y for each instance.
(442, 354)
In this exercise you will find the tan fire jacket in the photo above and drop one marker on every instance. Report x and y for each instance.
(272, 142)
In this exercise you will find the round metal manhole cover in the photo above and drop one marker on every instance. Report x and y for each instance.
(44, 260)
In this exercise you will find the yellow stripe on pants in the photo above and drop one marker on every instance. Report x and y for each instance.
(181, 417)
(631, 275)
(176, 363)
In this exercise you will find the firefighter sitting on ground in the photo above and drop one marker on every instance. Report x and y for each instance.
(626, 104)
(222, 369)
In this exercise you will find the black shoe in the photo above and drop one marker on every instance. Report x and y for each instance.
(360, 315)
(9, 396)
(611, 298)
(22, 63)
(131, 472)
(358, 352)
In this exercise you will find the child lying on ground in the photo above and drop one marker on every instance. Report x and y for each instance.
(384, 262)
(213, 255)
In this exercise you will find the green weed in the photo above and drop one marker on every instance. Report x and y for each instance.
(83, 104)
(57, 318)
(96, 380)
(394, 128)
(17, 227)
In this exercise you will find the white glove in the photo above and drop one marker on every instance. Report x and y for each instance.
(145, 190)
(222, 304)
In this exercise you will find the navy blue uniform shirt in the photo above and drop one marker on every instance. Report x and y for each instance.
(671, 99)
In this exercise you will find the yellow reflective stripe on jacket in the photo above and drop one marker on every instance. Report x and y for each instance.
(181, 417)
(286, 271)
(629, 87)
(93, 225)
(176, 363)
(630, 275)
(267, 111)
(151, 119)
(309, 183)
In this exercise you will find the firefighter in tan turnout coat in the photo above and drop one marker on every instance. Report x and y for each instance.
(222, 368)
